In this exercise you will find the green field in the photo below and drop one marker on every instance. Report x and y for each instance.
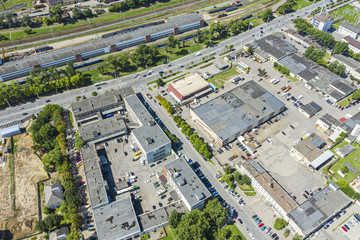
(10, 3)
(301, 4)
(219, 79)
(348, 12)
(235, 231)
(353, 159)
(345, 102)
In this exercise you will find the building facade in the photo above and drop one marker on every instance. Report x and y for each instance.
(322, 22)
(348, 29)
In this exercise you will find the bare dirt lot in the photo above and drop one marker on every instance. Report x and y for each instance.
(28, 171)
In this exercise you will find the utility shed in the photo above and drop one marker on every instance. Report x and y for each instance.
(10, 131)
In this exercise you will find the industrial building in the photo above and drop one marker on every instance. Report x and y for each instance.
(97, 107)
(110, 43)
(310, 109)
(353, 44)
(117, 220)
(237, 111)
(269, 188)
(10, 131)
(322, 22)
(189, 87)
(328, 122)
(348, 29)
(311, 152)
(187, 184)
(148, 136)
(350, 64)
(273, 47)
(318, 210)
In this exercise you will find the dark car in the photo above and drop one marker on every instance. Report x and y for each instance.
(160, 204)
(292, 126)
(170, 199)
(125, 153)
(240, 221)
(283, 133)
(154, 207)
(163, 196)
(48, 100)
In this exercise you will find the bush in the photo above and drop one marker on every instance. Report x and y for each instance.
(287, 233)
(280, 223)
(94, 93)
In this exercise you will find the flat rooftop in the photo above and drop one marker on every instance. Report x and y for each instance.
(190, 84)
(116, 220)
(97, 188)
(346, 60)
(101, 101)
(295, 63)
(312, 213)
(330, 120)
(104, 128)
(237, 109)
(286, 202)
(89, 157)
(188, 183)
(310, 147)
(149, 134)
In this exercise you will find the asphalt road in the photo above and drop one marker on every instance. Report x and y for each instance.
(65, 99)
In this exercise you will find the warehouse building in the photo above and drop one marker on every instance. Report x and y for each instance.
(350, 64)
(117, 221)
(269, 188)
(353, 44)
(187, 184)
(311, 153)
(348, 29)
(237, 111)
(92, 109)
(148, 136)
(310, 109)
(110, 43)
(318, 210)
(328, 122)
(10, 131)
(274, 46)
(187, 88)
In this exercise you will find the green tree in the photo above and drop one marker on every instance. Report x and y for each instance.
(77, 13)
(228, 169)
(159, 82)
(340, 48)
(287, 233)
(26, 20)
(297, 237)
(280, 223)
(250, 50)
(77, 98)
(28, 31)
(94, 93)
(343, 134)
(235, 237)
(356, 95)
(216, 213)
(78, 142)
(267, 15)
(345, 169)
(224, 233)
(194, 223)
(174, 219)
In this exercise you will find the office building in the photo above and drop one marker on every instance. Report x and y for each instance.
(187, 184)
(353, 44)
(322, 22)
(328, 122)
(148, 136)
(237, 111)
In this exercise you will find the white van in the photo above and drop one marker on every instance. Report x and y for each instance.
(198, 54)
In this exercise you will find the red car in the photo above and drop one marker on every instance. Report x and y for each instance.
(261, 224)
(79, 160)
(77, 153)
(344, 228)
(82, 183)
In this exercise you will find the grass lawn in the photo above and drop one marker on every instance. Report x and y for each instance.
(256, 22)
(346, 101)
(353, 159)
(219, 79)
(250, 194)
(348, 12)
(235, 231)
(246, 188)
(169, 234)
(10, 3)
(301, 4)
(96, 76)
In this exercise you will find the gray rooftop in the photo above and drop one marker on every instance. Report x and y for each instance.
(342, 87)
(275, 45)
(322, 159)
(149, 134)
(153, 219)
(53, 194)
(346, 61)
(100, 102)
(126, 35)
(346, 150)
(116, 220)
(295, 63)
(97, 188)
(311, 214)
(103, 129)
(323, 18)
(59, 234)
(89, 158)
(236, 110)
(311, 108)
(350, 27)
(330, 120)
(187, 181)
(323, 78)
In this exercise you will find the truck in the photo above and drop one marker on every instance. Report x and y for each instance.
(132, 148)
(137, 153)
(133, 177)
(135, 158)
(131, 181)
(287, 89)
